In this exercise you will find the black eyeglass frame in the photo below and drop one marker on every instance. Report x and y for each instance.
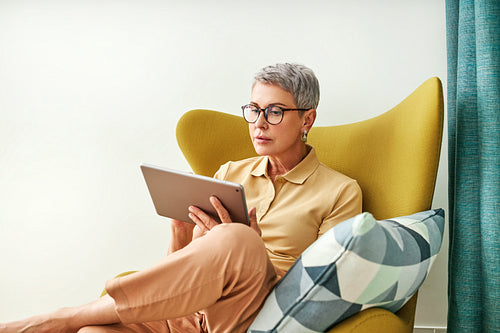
(265, 111)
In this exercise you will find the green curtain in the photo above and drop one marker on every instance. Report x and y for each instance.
(473, 46)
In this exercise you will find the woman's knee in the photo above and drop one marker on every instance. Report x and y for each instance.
(237, 234)
(238, 239)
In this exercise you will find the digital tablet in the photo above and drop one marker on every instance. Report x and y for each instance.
(173, 191)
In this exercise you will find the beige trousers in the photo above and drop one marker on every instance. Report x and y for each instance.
(215, 284)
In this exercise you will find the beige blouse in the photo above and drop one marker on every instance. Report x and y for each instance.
(298, 207)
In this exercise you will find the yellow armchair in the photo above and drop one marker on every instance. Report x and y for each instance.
(394, 157)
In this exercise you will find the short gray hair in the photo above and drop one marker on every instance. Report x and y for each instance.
(297, 79)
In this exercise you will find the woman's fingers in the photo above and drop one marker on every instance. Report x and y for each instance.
(201, 219)
(221, 210)
(198, 232)
(252, 214)
(205, 222)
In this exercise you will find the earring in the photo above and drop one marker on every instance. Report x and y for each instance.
(304, 136)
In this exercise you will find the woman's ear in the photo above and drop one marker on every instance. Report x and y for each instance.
(309, 118)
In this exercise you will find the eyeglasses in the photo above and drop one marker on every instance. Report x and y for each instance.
(273, 113)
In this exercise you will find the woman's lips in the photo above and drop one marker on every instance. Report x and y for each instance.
(262, 139)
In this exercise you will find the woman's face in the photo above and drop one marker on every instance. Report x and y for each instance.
(284, 138)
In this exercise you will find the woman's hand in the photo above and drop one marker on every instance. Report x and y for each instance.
(252, 214)
(182, 234)
(205, 223)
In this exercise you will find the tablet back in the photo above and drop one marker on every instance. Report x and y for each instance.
(174, 191)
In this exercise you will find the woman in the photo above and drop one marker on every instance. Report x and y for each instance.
(216, 276)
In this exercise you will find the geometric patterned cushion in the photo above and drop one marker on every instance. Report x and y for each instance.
(358, 264)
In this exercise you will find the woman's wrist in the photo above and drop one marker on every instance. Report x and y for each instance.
(181, 235)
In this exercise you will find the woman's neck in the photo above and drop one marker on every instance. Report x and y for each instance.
(280, 165)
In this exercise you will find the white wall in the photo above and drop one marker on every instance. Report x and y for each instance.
(90, 89)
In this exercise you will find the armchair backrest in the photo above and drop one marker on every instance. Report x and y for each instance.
(394, 156)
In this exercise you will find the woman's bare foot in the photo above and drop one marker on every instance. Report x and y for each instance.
(67, 320)
(56, 322)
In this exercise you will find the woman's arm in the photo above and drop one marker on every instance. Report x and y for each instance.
(349, 204)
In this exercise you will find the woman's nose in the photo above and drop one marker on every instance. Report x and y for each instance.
(261, 120)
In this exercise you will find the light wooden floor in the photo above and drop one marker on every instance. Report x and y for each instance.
(429, 330)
